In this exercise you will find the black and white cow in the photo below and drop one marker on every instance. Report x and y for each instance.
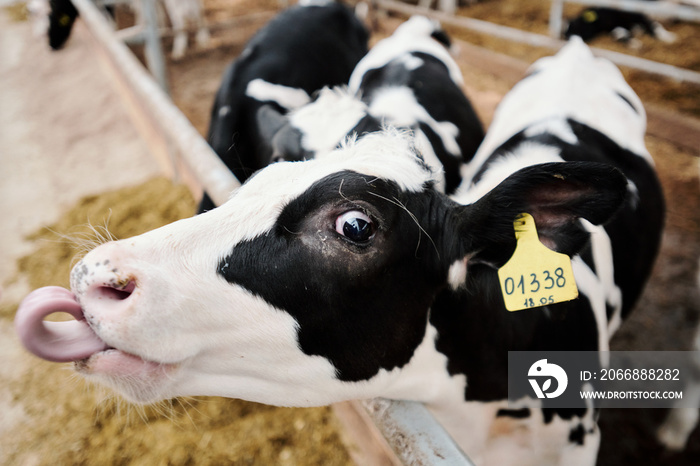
(350, 276)
(62, 16)
(408, 80)
(300, 51)
(574, 107)
(622, 25)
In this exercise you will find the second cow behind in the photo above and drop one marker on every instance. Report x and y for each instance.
(408, 81)
(300, 51)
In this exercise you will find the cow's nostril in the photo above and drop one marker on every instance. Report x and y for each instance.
(115, 293)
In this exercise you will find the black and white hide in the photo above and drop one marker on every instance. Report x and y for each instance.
(350, 276)
(301, 50)
(622, 25)
(408, 80)
(571, 107)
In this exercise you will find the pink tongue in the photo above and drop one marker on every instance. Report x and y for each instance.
(55, 341)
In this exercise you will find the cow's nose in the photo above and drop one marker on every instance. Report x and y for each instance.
(108, 299)
(104, 278)
(111, 291)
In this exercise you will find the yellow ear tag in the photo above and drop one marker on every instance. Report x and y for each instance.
(590, 16)
(535, 275)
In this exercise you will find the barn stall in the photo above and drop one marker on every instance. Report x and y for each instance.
(71, 428)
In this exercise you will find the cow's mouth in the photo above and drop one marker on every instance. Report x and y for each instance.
(56, 341)
(75, 340)
(117, 364)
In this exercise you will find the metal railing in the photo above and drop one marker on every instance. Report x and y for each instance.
(539, 40)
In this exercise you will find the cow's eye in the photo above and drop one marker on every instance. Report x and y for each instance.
(355, 226)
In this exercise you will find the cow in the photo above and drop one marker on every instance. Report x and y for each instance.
(408, 80)
(301, 50)
(575, 107)
(350, 276)
(62, 14)
(546, 112)
(622, 25)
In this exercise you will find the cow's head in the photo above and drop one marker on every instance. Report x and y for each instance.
(315, 128)
(313, 283)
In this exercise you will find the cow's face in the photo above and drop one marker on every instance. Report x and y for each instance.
(288, 288)
(313, 283)
(586, 26)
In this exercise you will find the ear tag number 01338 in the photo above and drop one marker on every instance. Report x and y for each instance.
(535, 275)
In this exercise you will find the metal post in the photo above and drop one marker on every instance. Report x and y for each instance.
(153, 48)
(194, 152)
(414, 434)
(556, 12)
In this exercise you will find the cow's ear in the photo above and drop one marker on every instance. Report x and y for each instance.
(557, 195)
(270, 121)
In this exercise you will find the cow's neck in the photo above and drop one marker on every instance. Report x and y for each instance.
(426, 379)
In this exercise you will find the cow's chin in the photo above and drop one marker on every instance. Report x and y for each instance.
(135, 379)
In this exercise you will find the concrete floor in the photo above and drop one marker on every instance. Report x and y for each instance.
(63, 135)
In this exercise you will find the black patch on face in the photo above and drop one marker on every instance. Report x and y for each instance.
(362, 306)
(523, 413)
